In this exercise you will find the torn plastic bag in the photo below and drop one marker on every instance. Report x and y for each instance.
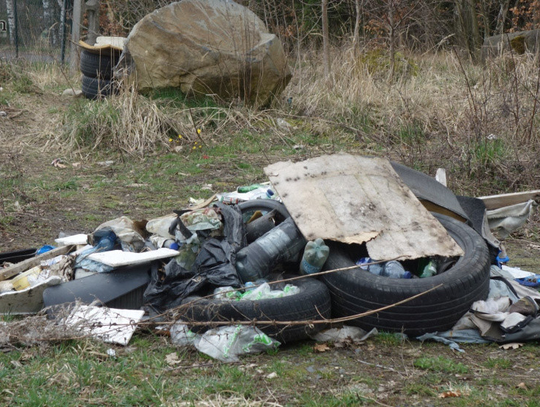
(227, 342)
(104, 240)
(129, 233)
(214, 265)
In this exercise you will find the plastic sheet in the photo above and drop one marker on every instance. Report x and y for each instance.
(228, 342)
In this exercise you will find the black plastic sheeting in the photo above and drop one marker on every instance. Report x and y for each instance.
(214, 266)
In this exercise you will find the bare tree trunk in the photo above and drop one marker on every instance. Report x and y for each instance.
(326, 38)
(392, 38)
(356, 35)
(11, 21)
(47, 21)
(467, 25)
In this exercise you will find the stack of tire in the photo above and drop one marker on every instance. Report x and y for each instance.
(97, 69)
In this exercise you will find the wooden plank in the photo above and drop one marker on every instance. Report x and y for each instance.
(33, 262)
(75, 34)
(502, 200)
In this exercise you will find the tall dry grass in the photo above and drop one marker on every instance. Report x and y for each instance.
(479, 121)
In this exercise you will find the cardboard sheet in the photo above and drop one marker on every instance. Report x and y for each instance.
(354, 199)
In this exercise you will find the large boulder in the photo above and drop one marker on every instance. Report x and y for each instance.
(208, 47)
(519, 42)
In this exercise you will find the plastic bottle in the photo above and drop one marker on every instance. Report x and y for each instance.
(247, 188)
(282, 243)
(429, 270)
(391, 269)
(315, 256)
(394, 269)
(376, 268)
(171, 244)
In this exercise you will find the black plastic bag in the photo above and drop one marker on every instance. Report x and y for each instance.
(214, 265)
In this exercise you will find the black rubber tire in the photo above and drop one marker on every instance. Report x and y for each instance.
(265, 205)
(95, 88)
(310, 304)
(356, 291)
(94, 65)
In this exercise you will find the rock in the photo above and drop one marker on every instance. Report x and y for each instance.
(72, 92)
(519, 42)
(207, 47)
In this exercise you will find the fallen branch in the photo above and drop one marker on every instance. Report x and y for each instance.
(306, 322)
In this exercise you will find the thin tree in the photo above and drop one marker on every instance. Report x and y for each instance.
(326, 39)
(10, 7)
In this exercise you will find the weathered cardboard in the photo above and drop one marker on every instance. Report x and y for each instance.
(355, 199)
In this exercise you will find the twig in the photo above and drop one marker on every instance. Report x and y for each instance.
(288, 323)
(380, 366)
(195, 127)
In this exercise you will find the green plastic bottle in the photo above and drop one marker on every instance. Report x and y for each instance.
(315, 255)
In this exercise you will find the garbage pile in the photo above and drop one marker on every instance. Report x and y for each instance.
(262, 265)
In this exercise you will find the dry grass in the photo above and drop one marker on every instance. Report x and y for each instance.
(478, 121)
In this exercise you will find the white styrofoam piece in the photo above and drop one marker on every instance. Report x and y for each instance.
(72, 240)
(516, 272)
(117, 258)
(27, 301)
(111, 325)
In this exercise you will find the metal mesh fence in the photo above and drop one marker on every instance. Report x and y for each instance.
(36, 30)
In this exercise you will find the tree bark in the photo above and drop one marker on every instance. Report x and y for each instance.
(11, 20)
(326, 39)
(356, 34)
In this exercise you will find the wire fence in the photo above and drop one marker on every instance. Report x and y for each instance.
(35, 30)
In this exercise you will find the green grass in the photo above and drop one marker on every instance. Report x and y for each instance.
(440, 364)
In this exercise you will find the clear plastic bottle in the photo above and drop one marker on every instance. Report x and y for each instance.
(315, 256)
(394, 269)
(391, 269)
(282, 243)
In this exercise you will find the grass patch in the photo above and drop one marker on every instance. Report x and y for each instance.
(440, 364)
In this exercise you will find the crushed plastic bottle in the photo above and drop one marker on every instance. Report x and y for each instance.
(394, 269)
(282, 243)
(261, 192)
(391, 269)
(314, 257)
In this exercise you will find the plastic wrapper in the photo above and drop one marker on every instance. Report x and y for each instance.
(261, 292)
(264, 291)
(228, 342)
(181, 335)
(104, 240)
(129, 233)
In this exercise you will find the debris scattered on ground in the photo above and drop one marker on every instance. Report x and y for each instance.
(236, 274)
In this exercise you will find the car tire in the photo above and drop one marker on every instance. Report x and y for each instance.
(96, 65)
(312, 303)
(357, 291)
(95, 88)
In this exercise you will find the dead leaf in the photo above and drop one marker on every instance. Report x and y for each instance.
(513, 345)
(522, 386)
(321, 347)
(447, 394)
(172, 359)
